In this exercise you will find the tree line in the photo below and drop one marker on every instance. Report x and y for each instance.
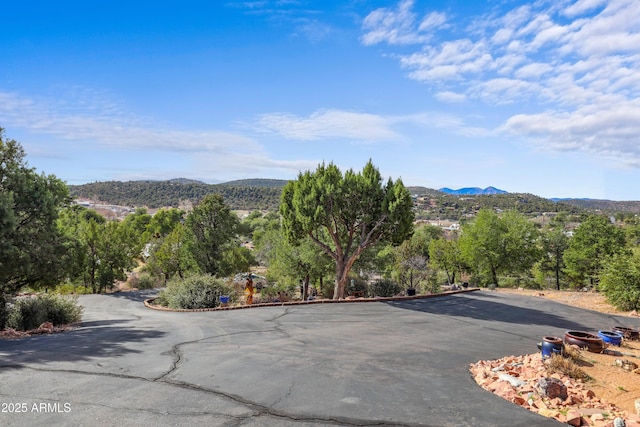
(172, 193)
(334, 232)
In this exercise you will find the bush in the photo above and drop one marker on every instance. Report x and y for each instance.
(31, 312)
(620, 281)
(143, 281)
(198, 291)
(71, 289)
(384, 288)
(277, 292)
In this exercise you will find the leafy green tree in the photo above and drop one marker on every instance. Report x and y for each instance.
(32, 248)
(137, 223)
(164, 222)
(213, 228)
(292, 264)
(620, 281)
(346, 214)
(593, 242)
(112, 250)
(172, 255)
(73, 222)
(632, 231)
(445, 255)
(554, 242)
(495, 245)
(235, 259)
(412, 257)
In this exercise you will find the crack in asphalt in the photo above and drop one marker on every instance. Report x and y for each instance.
(177, 353)
(256, 409)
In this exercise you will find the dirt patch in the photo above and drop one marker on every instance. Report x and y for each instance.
(45, 328)
(590, 300)
(611, 389)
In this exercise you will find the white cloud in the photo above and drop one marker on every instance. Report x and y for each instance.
(93, 119)
(399, 26)
(533, 70)
(329, 124)
(582, 6)
(570, 70)
(452, 97)
(610, 133)
(98, 123)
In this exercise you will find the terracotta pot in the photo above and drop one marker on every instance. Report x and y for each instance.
(592, 343)
(628, 333)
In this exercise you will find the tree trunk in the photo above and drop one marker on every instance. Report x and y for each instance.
(557, 270)
(3, 310)
(305, 288)
(494, 275)
(341, 280)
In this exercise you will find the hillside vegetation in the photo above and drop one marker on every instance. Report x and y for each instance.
(246, 194)
(264, 194)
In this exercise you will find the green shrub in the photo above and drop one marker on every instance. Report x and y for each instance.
(31, 312)
(143, 281)
(432, 283)
(198, 291)
(71, 289)
(620, 281)
(277, 292)
(384, 288)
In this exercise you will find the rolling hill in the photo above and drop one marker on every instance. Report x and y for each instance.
(264, 194)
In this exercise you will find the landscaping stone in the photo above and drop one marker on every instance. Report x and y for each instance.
(555, 396)
(551, 388)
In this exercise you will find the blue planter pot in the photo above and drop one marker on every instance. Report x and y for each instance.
(610, 337)
(551, 346)
(224, 299)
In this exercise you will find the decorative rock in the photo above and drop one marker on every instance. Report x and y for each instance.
(511, 380)
(627, 365)
(574, 419)
(551, 388)
(637, 403)
(619, 422)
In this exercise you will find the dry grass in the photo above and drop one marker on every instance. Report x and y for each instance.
(568, 365)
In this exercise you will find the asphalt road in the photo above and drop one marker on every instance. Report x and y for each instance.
(402, 363)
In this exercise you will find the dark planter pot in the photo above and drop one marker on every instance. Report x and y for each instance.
(411, 292)
(627, 333)
(551, 346)
(582, 339)
(610, 337)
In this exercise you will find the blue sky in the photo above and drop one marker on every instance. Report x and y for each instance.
(538, 97)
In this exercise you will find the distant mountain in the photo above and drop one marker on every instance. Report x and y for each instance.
(264, 194)
(472, 191)
(245, 195)
(257, 182)
(604, 206)
(423, 191)
(184, 181)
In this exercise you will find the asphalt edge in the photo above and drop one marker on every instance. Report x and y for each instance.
(149, 302)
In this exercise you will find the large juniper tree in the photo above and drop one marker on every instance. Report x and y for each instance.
(31, 245)
(346, 214)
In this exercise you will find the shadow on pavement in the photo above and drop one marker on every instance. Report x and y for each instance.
(137, 296)
(464, 305)
(83, 344)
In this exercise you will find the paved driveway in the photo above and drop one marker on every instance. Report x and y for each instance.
(394, 363)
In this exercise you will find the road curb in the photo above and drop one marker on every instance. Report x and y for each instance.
(149, 302)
